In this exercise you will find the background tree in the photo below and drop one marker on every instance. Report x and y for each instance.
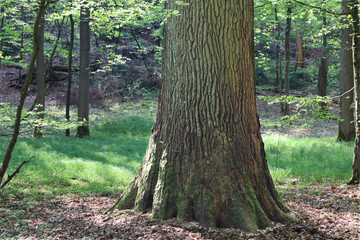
(206, 160)
(354, 6)
(346, 130)
(40, 80)
(83, 100)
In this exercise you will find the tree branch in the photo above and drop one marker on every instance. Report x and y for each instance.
(322, 9)
(16, 172)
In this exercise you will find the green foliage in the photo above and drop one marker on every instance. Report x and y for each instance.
(307, 111)
(53, 122)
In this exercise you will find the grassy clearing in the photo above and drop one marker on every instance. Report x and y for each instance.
(106, 162)
(100, 165)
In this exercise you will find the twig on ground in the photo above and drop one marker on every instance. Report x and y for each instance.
(16, 172)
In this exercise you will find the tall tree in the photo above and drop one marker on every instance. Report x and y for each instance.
(206, 160)
(7, 157)
(324, 62)
(346, 130)
(354, 6)
(84, 75)
(40, 79)
(278, 81)
(285, 106)
(69, 80)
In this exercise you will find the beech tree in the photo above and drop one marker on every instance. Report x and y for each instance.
(205, 160)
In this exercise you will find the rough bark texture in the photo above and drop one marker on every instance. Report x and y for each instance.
(40, 80)
(346, 130)
(84, 75)
(285, 106)
(356, 28)
(206, 160)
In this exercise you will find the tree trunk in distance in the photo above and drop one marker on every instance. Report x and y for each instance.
(356, 33)
(2, 24)
(84, 75)
(346, 129)
(16, 131)
(278, 81)
(285, 106)
(69, 82)
(206, 160)
(324, 65)
(40, 79)
(300, 50)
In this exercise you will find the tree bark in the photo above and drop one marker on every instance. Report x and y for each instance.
(346, 129)
(285, 106)
(206, 159)
(69, 82)
(40, 80)
(356, 33)
(84, 75)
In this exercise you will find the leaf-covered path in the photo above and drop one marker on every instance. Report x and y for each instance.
(323, 212)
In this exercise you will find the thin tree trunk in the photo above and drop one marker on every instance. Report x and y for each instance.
(69, 83)
(84, 75)
(356, 30)
(40, 80)
(16, 130)
(2, 24)
(346, 130)
(300, 50)
(285, 106)
(278, 81)
(323, 68)
(206, 159)
(48, 69)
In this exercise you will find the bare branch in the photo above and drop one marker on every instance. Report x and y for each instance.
(16, 172)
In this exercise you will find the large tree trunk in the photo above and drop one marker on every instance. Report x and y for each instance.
(346, 130)
(84, 75)
(206, 160)
(356, 29)
(40, 80)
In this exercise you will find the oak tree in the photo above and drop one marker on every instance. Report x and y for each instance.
(206, 160)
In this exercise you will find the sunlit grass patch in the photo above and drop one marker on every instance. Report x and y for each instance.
(309, 158)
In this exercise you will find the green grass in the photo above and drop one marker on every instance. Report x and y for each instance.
(308, 159)
(105, 163)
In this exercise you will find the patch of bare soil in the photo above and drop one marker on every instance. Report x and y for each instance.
(322, 212)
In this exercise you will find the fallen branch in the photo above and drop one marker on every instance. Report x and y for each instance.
(16, 172)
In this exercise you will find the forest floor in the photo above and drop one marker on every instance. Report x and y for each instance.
(323, 211)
